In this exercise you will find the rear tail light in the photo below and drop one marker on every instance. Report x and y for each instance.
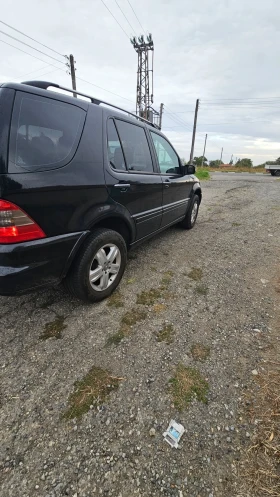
(16, 226)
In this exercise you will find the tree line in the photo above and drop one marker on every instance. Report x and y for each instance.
(245, 162)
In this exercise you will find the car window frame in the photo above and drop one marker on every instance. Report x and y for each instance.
(156, 156)
(154, 164)
(111, 118)
(16, 168)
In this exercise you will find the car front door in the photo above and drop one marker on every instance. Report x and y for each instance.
(131, 177)
(177, 187)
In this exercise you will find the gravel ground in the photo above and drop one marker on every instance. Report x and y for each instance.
(118, 450)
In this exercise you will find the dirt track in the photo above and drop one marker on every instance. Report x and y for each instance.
(114, 450)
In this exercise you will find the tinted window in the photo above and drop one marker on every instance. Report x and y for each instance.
(47, 132)
(167, 157)
(135, 147)
(115, 152)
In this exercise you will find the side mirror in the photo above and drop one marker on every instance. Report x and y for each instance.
(189, 169)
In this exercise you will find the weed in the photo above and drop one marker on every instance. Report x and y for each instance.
(92, 390)
(130, 281)
(201, 289)
(236, 224)
(148, 297)
(187, 385)
(129, 319)
(115, 300)
(195, 274)
(54, 328)
(200, 352)
(166, 334)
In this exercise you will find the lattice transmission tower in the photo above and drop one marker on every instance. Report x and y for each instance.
(145, 78)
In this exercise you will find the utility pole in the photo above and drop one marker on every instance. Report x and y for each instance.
(231, 161)
(73, 74)
(160, 115)
(194, 129)
(204, 150)
(221, 156)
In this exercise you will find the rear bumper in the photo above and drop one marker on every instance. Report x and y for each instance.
(26, 266)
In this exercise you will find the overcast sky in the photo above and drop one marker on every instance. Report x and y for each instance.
(214, 51)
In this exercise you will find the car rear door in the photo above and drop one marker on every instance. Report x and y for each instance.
(177, 187)
(131, 176)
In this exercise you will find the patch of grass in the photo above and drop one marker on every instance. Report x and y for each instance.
(236, 224)
(115, 300)
(130, 281)
(116, 338)
(148, 297)
(166, 334)
(200, 352)
(129, 319)
(159, 308)
(260, 470)
(188, 384)
(239, 169)
(132, 317)
(53, 329)
(201, 289)
(195, 274)
(166, 279)
(92, 390)
(202, 173)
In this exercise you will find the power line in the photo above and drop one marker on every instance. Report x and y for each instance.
(177, 119)
(26, 44)
(35, 70)
(49, 72)
(238, 99)
(108, 91)
(60, 69)
(34, 56)
(39, 43)
(126, 18)
(115, 19)
(136, 17)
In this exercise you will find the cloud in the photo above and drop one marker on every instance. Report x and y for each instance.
(223, 50)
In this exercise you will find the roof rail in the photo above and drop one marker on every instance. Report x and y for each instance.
(46, 84)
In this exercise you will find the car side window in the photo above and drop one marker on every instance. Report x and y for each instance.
(115, 153)
(167, 158)
(135, 147)
(46, 132)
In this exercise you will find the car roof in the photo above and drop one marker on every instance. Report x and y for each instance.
(47, 93)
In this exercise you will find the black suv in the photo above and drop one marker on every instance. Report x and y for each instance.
(80, 183)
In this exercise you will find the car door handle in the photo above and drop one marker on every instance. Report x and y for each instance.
(167, 183)
(122, 186)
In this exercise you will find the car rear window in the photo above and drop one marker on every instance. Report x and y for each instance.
(45, 132)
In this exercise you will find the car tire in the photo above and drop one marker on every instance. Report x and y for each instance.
(277, 173)
(192, 212)
(273, 173)
(99, 266)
